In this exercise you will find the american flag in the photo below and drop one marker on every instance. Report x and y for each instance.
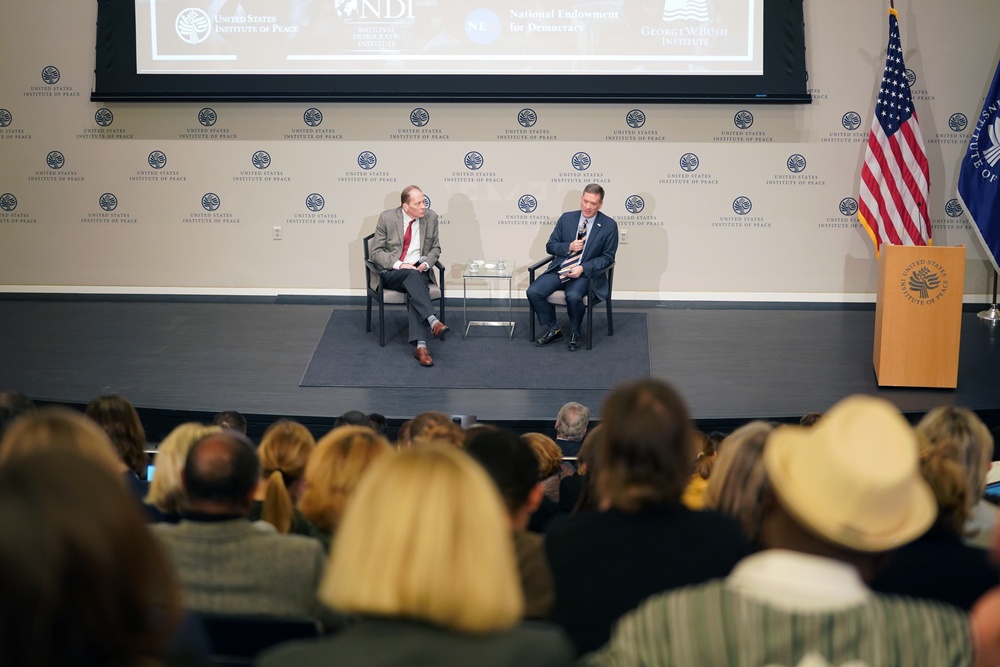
(895, 179)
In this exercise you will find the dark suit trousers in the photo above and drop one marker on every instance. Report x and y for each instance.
(415, 284)
(546, 284)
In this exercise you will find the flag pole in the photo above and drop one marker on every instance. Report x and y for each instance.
(992, 314)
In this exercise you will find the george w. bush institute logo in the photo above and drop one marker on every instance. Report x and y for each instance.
(527, 117)
(315, 202)
(51, 75)
(527, 203)
(312, 117)
(193, 25)
(55, 160)
(580, 161)
(419, 117)
(473, 160)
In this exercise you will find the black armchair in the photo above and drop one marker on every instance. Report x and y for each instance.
(558, 298)
(376, 291)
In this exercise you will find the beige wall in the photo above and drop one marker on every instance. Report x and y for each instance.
(687, 243)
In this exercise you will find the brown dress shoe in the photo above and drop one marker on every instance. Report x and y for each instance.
(439, 329)
(423, 356)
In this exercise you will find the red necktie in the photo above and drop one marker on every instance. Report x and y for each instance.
(407, 237)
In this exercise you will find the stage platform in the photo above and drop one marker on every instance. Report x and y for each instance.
(181, 358)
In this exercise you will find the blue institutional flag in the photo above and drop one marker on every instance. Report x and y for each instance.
(979, 180)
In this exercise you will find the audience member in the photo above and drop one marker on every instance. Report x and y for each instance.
(551, 468)
(588, 499)
(694, 492)
(972, 444)
(810, 418)
(283, 453)
(435, 427)
(605, 563)
(13, 404)
(403, 436)
(352, 418)
(336, 465)
(231, 420)
(571, 487)
(379, 424)
(571, 428)
(424, 555)
(165, 500)
(845, 492)
(513, 466)
(82, 582)
(62, 429)
(226, 564)
(739, 481)
(119, 419)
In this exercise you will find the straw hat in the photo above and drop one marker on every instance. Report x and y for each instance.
(853, 479)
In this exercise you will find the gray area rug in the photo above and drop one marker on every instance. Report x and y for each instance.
(347, 356)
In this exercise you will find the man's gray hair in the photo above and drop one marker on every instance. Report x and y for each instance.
(572, 421)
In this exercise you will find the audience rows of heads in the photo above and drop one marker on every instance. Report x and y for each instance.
(612, 539)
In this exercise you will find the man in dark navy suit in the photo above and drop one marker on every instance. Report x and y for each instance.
(582, 243)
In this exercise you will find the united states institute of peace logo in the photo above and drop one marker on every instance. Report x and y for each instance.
(419, 117)
(924, 281)
(104, 117)
(193, 25)
(953, 208)
(312, 117)
(55, 160)
(8, 202)
(527, 117)
(473, 160)
(210, 201)
(6, 118)
(911, 78)
(108, 201)
(315, 202)
(958, 122)
(427, 201)
(527, 203)
(848, 207)
(367, 160)
(851, 121)
(689, 162)
(635, 118)
(51, 75)
(261, 159)
(207, 117)
(796, 163)
(580, 161)
(634, 204)
(742, 205)
(157, 159)
(743, 119)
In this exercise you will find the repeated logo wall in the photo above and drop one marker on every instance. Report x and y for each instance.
(715, 201)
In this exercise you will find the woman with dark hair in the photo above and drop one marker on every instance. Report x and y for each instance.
(119, 419)
(643, 540)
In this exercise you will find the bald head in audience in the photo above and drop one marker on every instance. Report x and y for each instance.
(220, 474)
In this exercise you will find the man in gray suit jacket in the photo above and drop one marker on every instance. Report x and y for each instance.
(226, 564)
(406, 246)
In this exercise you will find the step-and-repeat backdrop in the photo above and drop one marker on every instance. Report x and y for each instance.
(715, 202)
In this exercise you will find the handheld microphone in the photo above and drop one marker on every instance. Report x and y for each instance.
(581, 229)
(422, 260)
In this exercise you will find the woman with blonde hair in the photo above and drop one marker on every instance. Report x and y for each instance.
(333, 472)
(551, 468)
(165, 499)
(283, 453)
(424, 554)
(738, 480)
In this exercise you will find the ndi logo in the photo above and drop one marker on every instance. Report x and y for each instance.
(419, 117)
(953, 208)
(911, 78)
(50, 75)
(958, 122)
(367, 160)
(104, 117)
(55, 160)
(689, 162)
(108, 201)
(742, 205)
(527, 203)
(580, 161)
(373, 9)
(8, 202)
(157, 159)
(473, 160)
(193, 25)
(527, 117)
(315, 202)
(312, 117)
(796, 163)
(207, 117)
(851, 120)
(261, 160)
(5, 118)
(634, 204)
(743, 119)
(848, 207)
(210, 201)
(635, 119)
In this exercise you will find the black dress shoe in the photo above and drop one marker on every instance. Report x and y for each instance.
(575, 342)
(549, 337)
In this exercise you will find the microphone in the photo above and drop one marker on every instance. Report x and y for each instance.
(581, 229)
(422, 260)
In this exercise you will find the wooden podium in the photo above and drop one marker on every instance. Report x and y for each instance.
(918, 315)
